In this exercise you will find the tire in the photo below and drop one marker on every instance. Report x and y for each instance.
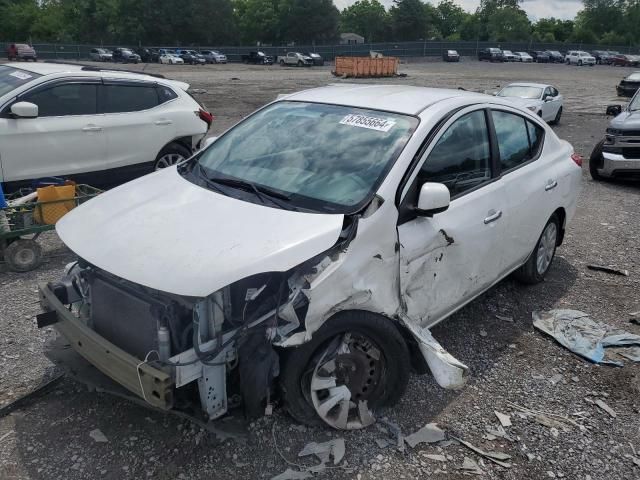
(301, 363)
(170, 155)
(595, 161)
(534, 270)
(23, 255)
(580, 63)
(556, 120)
(300, 63)
(282, 64)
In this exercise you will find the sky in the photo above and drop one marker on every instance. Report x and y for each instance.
(564, 9)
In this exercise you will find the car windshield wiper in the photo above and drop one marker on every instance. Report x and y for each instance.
(259, 190)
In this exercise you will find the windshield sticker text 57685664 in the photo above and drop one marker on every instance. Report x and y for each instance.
(364, 121)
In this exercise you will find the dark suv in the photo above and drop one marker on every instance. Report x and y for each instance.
(191, 57)
(491, 55)
(125, 55)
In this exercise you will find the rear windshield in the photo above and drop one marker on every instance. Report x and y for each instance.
(11, 78)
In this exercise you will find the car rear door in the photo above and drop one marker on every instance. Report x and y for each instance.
(448, 259)
(67, 137)
(530, 177)
(137, 121)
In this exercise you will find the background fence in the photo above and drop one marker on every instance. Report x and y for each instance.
(329, 52)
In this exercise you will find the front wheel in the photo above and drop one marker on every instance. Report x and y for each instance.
(170, 155)
(300, 64)
(23, 255)
(357, 361)
(556, 120)
(540, 260)
(282, 63)
(595, 161)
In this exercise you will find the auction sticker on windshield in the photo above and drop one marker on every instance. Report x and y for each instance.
(364, 121)
(20, 75)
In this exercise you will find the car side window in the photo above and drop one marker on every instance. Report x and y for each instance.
(65, 99)
(129, 98)
(165, 94)
(461, 159)
(519, 140)
(548, 92)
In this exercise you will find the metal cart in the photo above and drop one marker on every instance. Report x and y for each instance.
(24, 223)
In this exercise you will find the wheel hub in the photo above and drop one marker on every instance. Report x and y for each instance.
(546, 248)
(347, 376)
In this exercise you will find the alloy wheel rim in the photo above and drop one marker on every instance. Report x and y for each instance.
(168, 160)
(348, 374)
(546, 248)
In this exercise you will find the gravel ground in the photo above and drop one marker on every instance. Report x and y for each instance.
(512, 366)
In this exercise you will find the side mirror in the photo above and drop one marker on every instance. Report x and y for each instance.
(548, 98)
(434, 198)
(614, 110)
(208, 141)
(24, 110)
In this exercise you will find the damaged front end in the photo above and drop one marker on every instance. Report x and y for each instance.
(211, 354)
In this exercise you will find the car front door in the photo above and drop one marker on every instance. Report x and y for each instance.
(137, 127)
(449, 258)
(530, 183)
(67, 137)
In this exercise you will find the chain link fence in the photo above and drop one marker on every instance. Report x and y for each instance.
(51, 51)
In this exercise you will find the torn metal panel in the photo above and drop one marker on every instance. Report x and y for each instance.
(449, 372)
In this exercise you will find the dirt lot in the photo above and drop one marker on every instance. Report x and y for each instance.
(511, 364)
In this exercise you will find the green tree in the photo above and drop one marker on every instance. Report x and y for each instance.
(449, 18)
(365, 17)
(408, 19)
(308, 21)
(258, 21)
(509, 24)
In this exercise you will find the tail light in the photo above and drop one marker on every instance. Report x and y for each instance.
(205, 117)
(576, 158)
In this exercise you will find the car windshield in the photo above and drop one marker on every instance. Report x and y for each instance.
(319, 157)
(635, 103)
(554, 52)
(11, 78)
(634, 77)
(452, 52)
(520, 91)
(507, 52)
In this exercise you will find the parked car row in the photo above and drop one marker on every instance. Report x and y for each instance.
(157, 55)
(572, 57)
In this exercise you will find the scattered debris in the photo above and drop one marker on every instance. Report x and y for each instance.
(395, 431)
(630, 353)
(496, 457)
(605, 407)
(430, 433)
(504, 318)
(576, 331)
(289, 474)
(634, 459)
(98, 436)
(437, 458)
(483, 333)
(324, 451)
(551, 420)
(557, 378)
(612, 270)
(504, 419)
(383, 442)
(469, 466)
(5, 435)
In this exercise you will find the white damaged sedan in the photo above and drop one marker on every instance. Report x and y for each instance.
(305, 253)
(543, 100)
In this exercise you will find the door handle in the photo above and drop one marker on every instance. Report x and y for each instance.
(92, 128)
(493, 216)
(163, 122)
(550, 186)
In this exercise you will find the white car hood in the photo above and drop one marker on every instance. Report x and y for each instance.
(166, 233)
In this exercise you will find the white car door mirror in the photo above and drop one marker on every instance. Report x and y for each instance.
(434, 198)
(24, 110)
(208, 141)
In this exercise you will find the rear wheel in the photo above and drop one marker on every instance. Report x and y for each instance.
(170, 155)
(300, 63)
(540, 260)
(282, 63)
(595, 161)
(357, 361)
(579, 63)
(23, 255)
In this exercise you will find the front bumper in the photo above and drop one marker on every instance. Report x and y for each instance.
(615, 164)
(152, 384)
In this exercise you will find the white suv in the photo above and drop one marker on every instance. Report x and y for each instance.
(580, 58)
(92, 125)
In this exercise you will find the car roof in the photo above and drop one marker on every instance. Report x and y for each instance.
(528, 84)
(403, 99)
(65, 68)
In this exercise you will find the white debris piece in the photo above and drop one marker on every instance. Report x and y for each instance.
(290, 474)
(98, 436)
(503, 418)
(469, 466)
(496, 457)
(437, 458)
(333, 448)
(606, 408)
(430, 433)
